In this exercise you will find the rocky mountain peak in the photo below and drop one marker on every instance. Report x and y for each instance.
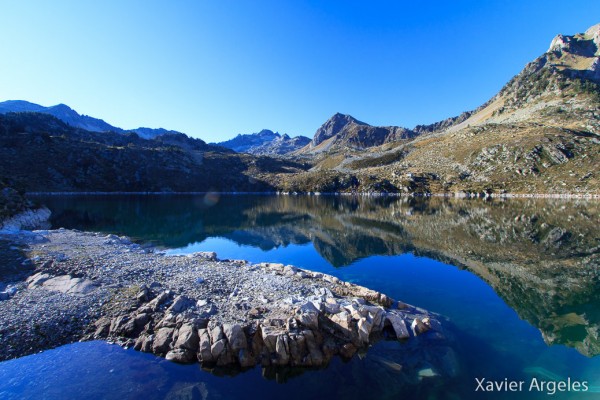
(267, 133)
(333, 126)
(265, 142)
(582, 44)
(593, 31)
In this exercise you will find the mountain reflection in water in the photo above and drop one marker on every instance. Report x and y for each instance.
(541, 256)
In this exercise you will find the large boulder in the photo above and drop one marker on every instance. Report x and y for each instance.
(188, 338)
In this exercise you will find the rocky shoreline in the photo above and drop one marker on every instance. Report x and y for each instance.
(27, 219)
(462, 195)
(69, 285)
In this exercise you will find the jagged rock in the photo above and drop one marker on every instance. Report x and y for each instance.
(142, 295)
(282, 349)
(139, 342)
(364, 330)
(159, 300)
(269, 336)
(305, 326)
(418, 327)
(308, 315)
(216, 334)
(140, 320)
(102, 327)
(209, 255)
(217, 348)
(354, 311)
(147, 345)
(162, 340)
(331, 308)
(204, 352)
(180, 304)
(398, 325)
(297, 348)
(256, 312)
(374, 313)
(201, 303)
(123, 325)
(315, 354)
(289, 270)
(182, 356)
(188, 338)
(168, 321)
(342, 322)
(235, 337)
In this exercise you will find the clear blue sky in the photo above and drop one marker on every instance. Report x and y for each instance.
(215, 69)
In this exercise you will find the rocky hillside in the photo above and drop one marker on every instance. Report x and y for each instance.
(539, 134)
(38, 152)
(344, 131)
(265, 143)
(76, 120)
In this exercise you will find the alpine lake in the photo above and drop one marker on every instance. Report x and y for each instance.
(516, 281)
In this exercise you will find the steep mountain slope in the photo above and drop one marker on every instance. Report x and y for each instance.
(344, 131)
(38, 152)
(265, 142)
(539, 134)
(74, 119)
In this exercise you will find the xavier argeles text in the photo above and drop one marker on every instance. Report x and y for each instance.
(534, 385)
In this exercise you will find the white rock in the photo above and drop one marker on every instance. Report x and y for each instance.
(398, 325)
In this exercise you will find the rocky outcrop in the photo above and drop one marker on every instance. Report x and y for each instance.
(28, 219)
(338, 319)
(62, 283)
(194, 308)
(345, 130)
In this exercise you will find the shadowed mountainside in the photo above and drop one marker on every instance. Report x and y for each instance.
(41, 153)
(76, 120)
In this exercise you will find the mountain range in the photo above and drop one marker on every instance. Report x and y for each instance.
(74, 119)
(539, 134)
(265, 142)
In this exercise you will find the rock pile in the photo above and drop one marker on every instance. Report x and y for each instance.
(338, 320)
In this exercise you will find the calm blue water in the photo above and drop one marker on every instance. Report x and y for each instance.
(517, 281)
